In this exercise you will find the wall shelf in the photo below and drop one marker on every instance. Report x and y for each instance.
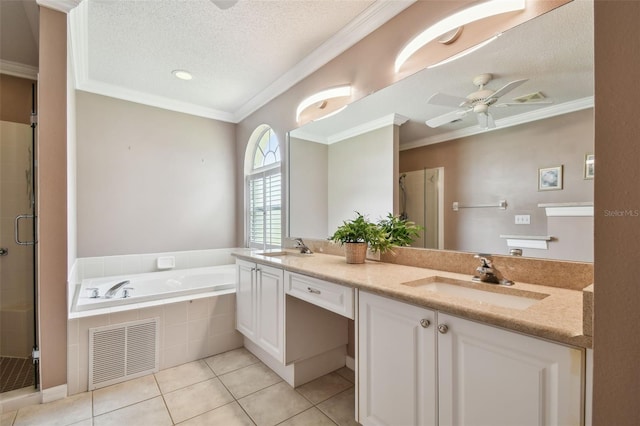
(578, 209)
(528, 241)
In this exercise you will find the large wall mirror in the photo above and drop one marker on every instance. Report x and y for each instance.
(526, 184)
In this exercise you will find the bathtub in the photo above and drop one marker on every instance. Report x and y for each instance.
(154, 286)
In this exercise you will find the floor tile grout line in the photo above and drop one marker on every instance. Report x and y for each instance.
(237, 401)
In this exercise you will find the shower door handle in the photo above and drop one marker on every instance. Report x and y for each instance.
(16, 229)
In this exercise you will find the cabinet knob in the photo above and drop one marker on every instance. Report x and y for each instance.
(443, 328)
(313, 290)
(425, 323)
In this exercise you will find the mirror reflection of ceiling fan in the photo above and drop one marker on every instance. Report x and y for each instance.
(224, 4)
(478, 102)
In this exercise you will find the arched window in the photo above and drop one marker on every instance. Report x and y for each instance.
(263, 189)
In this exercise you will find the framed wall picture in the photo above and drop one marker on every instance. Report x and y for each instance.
(589, 166)
(550, 178)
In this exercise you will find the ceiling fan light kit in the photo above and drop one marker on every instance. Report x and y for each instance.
(477, 102)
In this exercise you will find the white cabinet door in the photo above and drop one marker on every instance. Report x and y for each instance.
(490, 376)
(270, 311)
(396, 363)
(245, 298)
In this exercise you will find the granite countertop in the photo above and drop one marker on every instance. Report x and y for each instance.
(557, 316)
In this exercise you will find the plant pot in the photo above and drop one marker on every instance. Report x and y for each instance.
(355, 252)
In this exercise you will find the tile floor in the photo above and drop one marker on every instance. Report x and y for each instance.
(233, 388)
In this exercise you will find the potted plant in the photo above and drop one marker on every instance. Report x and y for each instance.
(359, 234)
(399, 232)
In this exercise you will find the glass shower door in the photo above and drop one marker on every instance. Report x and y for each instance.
(17, 256)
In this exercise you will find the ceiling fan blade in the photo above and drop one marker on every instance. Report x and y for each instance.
(447, 100)
(446, 118)
(507, 88)
(224, 4)
(510, 104)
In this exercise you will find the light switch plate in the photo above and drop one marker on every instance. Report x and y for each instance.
(523, 219)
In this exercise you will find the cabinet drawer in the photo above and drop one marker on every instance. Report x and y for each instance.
(333, 297)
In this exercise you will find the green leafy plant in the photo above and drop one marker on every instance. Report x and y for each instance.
(399, 232)
(361, 230)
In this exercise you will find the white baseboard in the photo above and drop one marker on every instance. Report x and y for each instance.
(55, 393)
(351, 363)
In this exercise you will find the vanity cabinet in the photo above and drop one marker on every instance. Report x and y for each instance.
(452, 371)
(260, 306)
(396, 362)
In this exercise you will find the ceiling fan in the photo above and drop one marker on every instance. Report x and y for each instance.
(224, 4)
(478, 102)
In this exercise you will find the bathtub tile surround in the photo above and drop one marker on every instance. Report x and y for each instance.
(182, 339)
(95, 267)
(194, 394)
(191, 327)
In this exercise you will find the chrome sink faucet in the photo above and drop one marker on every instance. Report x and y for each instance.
(302, 246)
(485, 272)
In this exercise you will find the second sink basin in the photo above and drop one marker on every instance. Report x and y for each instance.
(493, 295)
(283, 253)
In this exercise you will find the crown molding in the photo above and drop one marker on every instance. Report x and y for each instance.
(64, 6)
(387, 120)
(78, 39)
(514, 120)
(363, 25)
(154, 100)
(18, 70)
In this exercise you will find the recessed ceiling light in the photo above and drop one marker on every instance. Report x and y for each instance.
(182, 74)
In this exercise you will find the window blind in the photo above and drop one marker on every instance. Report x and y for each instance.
(265, 209)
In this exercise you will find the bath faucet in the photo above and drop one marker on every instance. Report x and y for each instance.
(111, 293)
(485, 272)
(302, 246)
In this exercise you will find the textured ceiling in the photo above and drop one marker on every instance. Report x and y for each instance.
(233, 54)
(554, 51)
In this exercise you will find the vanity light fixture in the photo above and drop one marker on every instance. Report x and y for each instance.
(323, 96)
(182, 74)
(458, 19)
(465, 52)
(331, 114)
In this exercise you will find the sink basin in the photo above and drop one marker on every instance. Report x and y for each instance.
(283, 253)
(485, 293)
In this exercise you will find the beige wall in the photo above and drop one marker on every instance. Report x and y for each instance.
(329, 183)
(52, 199)
(151, 180)
(503, 165)
(308, 188)
(361, 177)
(15, 99)
(617, 238)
